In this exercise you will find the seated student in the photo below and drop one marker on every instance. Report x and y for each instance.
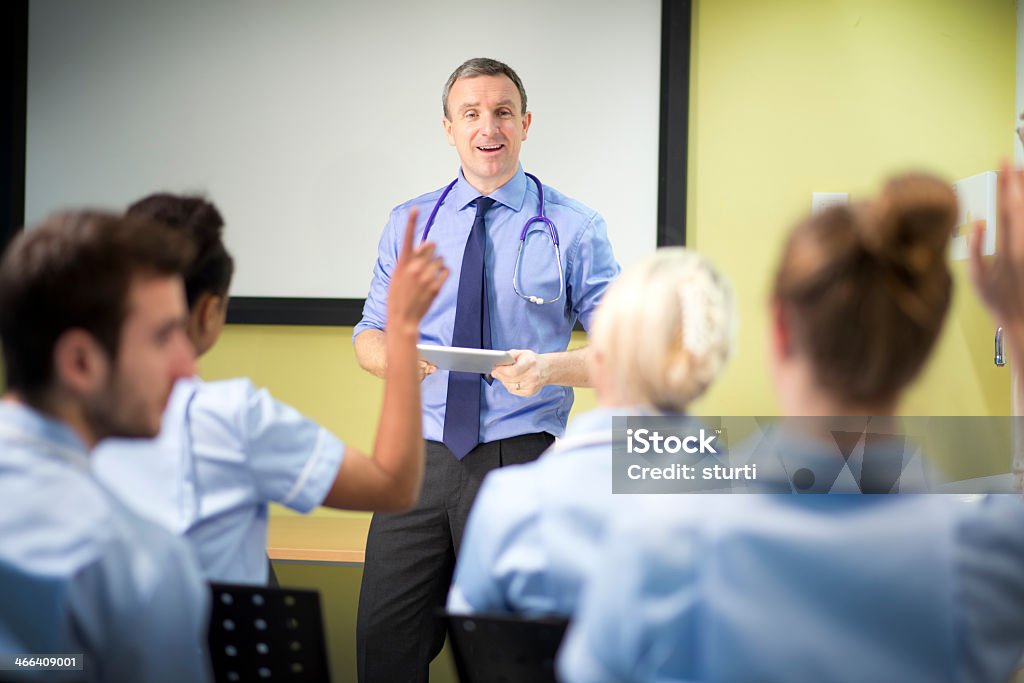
(827, 587)
(92, 322)
(661, 336)
(227, 449)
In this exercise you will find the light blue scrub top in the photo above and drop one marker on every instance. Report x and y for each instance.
(81, 574)
(805, 588)
(588, 264)
(535, 529)
(225, 450)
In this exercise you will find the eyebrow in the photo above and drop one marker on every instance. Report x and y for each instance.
(473, 105)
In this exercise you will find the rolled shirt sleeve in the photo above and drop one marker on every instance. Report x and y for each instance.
(375, 310)
(591, 269)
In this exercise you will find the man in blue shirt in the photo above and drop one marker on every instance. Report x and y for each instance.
(471, 425)
(92, 322)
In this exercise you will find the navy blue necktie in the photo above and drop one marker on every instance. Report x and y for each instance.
(472, 330)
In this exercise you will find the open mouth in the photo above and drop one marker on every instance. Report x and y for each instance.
(490, 149)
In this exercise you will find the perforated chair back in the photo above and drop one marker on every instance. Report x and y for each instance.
(505, 648)
(266, 634)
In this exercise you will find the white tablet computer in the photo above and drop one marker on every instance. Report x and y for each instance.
(463, 359)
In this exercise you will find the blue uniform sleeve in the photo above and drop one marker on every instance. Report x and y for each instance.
(293, 460)
(591, 268)
(502, 564)
(375, 310)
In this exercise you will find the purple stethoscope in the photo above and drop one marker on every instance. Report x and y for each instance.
(516, 272)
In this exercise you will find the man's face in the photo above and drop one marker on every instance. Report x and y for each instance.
(154, 352)
(487, 128)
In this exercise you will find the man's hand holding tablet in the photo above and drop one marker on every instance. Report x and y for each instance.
(481, 361)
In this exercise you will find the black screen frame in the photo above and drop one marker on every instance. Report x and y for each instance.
(676, 18)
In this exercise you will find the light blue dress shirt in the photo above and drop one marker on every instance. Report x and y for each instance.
(81, 574)
(588, 264)
(535, 529)
(225, 450)
(805, 588)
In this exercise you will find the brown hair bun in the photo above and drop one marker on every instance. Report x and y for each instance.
(866, 287)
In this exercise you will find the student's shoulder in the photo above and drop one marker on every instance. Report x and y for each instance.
(221, 412)
(73, 522)
(510, 494)
(221, 397)
(65, 524)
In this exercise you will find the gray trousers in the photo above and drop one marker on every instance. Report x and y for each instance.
(410, 558)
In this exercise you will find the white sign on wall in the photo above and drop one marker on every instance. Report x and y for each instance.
(976, 196)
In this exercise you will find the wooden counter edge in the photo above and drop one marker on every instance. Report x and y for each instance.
(317, 539)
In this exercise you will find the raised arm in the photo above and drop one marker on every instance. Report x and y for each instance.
(391, 478)
(999, 282)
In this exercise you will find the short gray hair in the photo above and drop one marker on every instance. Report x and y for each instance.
(482, 66)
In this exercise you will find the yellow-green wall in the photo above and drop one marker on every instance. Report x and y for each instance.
(790, 97)
(787, 97)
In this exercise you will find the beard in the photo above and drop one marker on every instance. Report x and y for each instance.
(118, 411)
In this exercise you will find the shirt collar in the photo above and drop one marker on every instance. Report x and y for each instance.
(512, 194)
(27, 422)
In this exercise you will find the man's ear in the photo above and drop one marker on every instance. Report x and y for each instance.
(206, 320)
(527, 120)
(79, 362)
(208, 312)
(447, 125)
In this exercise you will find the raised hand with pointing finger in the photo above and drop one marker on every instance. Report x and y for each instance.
(417, 279)
(999, 280)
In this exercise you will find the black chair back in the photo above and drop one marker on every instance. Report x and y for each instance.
(505, 648)
(266, 634)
